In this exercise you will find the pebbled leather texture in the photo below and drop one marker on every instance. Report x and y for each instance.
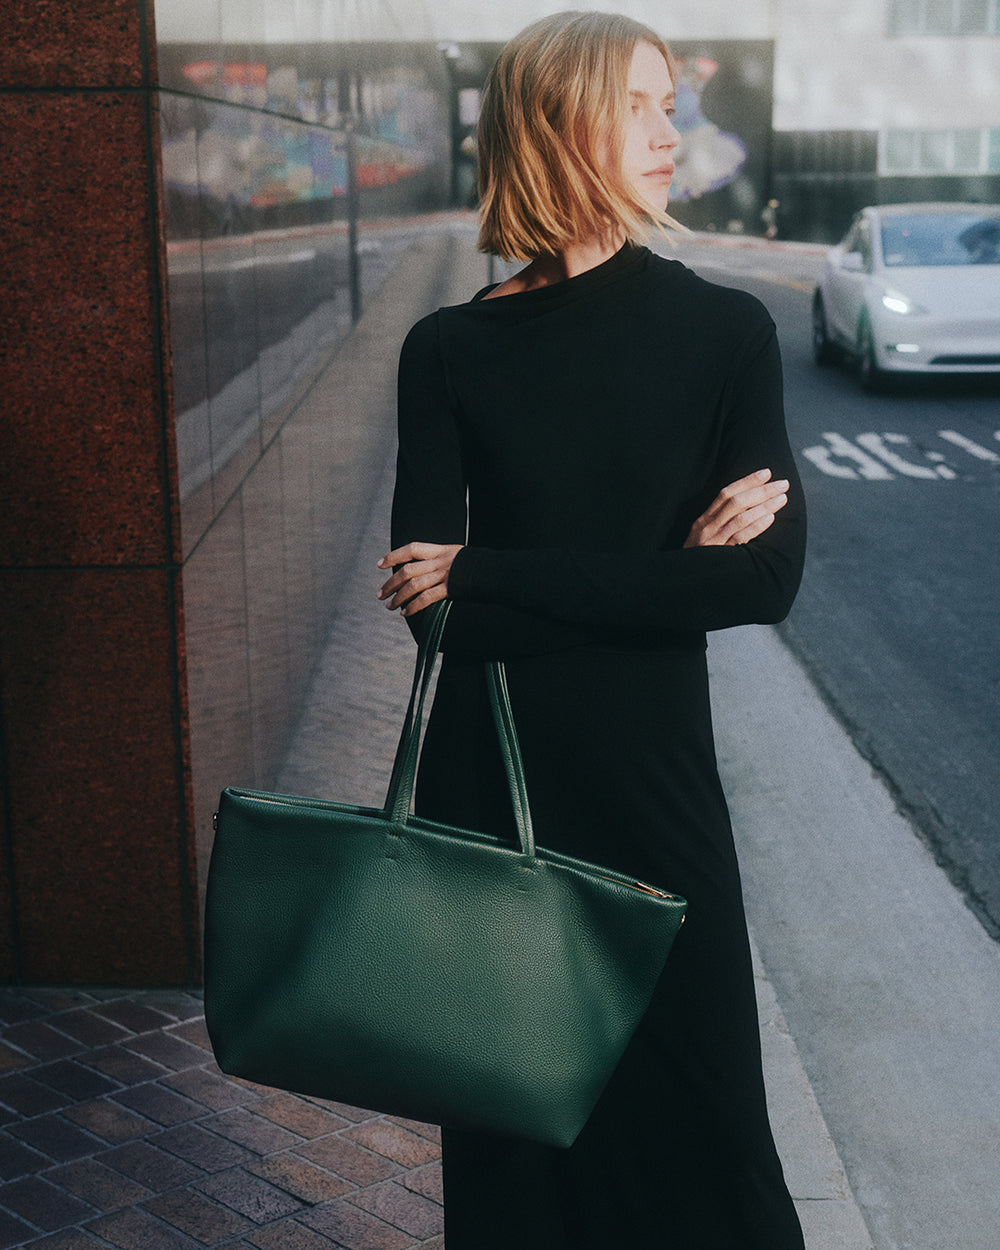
(371, 957)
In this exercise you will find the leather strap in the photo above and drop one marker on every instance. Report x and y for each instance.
(404, 769)
(503, 718)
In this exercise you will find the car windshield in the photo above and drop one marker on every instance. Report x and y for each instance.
(941, 239)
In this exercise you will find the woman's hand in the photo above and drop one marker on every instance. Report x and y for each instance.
(739, 512)
(422, 580)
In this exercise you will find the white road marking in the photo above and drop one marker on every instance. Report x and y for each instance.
(879, 457)
(868, 467)
(974, 449)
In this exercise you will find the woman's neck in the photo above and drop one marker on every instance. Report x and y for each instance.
(573, 260)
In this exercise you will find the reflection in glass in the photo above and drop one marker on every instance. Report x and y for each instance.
(952, 238)
(257, 198)
(255, 172)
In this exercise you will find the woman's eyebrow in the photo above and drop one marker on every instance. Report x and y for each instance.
(669, 98)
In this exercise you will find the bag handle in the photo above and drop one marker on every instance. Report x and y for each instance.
(404, 768)
(400, 793)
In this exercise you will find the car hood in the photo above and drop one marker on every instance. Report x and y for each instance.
(948, 288)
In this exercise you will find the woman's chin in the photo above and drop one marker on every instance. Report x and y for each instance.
(657, 202)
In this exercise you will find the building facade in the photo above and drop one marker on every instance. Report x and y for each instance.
(883, 103)
(891, 100)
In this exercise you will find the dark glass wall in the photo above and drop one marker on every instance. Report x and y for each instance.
(289, 172)
(822, 178)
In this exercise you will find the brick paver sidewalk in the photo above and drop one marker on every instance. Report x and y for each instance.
(119, 1130)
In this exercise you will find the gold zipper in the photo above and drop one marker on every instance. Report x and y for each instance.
(638, 885)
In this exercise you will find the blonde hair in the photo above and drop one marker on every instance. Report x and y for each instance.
(555, 98)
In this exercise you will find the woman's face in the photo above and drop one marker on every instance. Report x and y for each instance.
(650, 137)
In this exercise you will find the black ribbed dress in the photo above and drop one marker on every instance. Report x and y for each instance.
(570, 435)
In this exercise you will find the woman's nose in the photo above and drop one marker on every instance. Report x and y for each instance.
(665, 135)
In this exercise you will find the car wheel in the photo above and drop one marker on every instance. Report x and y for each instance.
(869, 374)
(824, 351)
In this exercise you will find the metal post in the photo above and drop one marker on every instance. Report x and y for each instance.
(353, 213)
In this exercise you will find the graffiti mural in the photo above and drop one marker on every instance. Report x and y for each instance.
(724, 108)
(708, 158)
(265, 142)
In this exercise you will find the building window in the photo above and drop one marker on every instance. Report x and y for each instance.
(967, 151)
(944, 17)
(956, 151)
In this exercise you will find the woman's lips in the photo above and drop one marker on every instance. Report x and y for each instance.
(663, 174)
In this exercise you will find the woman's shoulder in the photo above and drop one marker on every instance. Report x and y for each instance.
(424, 334)
(676, 280)
(649, 284)
(719, 306)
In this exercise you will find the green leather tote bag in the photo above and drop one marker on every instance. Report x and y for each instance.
(416, 969)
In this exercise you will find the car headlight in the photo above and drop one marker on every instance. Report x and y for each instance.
(896, 302)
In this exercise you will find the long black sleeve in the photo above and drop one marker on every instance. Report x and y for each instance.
(698, 588)
(591, 435)
(429, 505)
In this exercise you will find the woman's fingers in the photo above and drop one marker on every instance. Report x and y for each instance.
(424, 600)
(751, 521)
(412, 580)
(413, 551)
(757, 526)
(740, 511)
(421, 579)
(737, 499)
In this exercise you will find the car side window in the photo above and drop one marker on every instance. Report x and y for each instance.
(859, 240)
(863, 242)
(850, 243)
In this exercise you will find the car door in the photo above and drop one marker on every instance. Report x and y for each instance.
(847, 281)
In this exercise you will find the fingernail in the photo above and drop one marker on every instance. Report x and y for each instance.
(762, 475)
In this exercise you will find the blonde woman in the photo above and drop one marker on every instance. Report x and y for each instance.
(593, 466)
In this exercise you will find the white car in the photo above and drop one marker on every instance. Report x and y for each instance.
(913, 288)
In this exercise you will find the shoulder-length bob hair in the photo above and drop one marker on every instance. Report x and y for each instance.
(555, 102)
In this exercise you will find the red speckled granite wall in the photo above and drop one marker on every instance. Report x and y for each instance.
(97, 871)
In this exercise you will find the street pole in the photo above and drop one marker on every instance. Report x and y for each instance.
(353, 213)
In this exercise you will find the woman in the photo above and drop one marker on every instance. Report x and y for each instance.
(593, 466)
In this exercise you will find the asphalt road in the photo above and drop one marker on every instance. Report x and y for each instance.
(898, 618)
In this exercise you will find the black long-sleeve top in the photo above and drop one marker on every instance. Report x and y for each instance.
(570, 435)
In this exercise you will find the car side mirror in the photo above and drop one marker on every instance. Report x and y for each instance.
(853, 262)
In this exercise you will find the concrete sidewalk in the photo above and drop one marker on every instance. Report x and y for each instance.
(116, 1128)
